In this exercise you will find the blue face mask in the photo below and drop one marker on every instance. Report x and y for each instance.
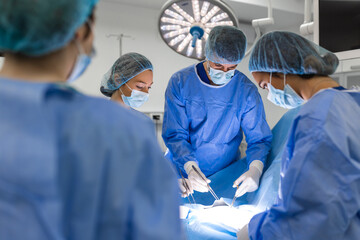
(220, 77)
(82, 62)
(137, 98)
(286, 98)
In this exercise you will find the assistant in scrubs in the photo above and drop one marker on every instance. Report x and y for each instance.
(319, 194)
(129, 80)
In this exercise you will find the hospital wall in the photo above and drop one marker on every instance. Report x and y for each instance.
(141, 25)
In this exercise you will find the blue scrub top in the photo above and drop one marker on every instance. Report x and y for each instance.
(319, 195)
(79, 167)
(205, 123)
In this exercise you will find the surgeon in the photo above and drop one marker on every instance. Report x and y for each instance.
(208, 107)
(319, 195)
(72, 166)
(129, 80)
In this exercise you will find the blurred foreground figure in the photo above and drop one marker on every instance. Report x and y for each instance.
(72, 166)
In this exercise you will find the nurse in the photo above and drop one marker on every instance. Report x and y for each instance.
(208, 107)
(129, 80)
(72, 166)
(319, 195)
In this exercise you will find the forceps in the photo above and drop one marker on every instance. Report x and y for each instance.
(210, 189)
(187, 189)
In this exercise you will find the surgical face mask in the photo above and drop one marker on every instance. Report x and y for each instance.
(220, 77)
(137, 98)
(286, 98)
(82, 62)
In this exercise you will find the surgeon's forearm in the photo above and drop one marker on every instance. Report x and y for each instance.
(182, 152)
(258, 151)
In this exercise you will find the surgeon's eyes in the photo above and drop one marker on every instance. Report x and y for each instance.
(142, 87)
(219, 66)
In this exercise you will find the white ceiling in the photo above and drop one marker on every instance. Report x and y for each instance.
(285, 12)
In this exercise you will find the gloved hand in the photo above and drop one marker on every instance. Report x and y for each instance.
(250, 179)
(185, 190)
(197, 182)
(243, 234)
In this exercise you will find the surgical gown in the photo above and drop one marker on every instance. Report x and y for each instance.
(78, 167)
(205, 123)
(319, 195)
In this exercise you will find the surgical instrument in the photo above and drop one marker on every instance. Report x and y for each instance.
(210, 189)
(187, 188)
(233, 201)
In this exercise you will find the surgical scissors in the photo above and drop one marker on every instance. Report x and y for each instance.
(210, 189)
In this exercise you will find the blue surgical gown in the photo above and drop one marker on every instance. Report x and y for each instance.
(78, 167)
(319, 195)
(205, 123)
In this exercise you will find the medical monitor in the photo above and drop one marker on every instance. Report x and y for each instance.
(337, 27)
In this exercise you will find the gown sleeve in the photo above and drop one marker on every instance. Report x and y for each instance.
(257, 132)
(319, 191)
(176, 125)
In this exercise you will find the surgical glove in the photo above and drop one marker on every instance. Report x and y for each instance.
(198, 183)
(250, 179)
(243, 234)
(185, 187)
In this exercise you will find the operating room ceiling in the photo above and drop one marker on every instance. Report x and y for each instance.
(286, 13)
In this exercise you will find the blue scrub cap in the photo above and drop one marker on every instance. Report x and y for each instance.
(225, 45)
(35, 28)
(125, 68)
(289, 53)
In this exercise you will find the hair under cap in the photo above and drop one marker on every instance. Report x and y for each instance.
(290, 53)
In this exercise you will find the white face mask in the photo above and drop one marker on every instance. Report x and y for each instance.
(220, 77)
(286, 98)
(137, 98)
(82, 60)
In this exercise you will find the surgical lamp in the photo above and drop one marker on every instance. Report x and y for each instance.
(184, 25)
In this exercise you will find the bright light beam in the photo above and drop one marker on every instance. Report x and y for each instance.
(174, 14)
(185, 42)
(183, 13)
(196, 10)
(204, 8)
(210, 14)
(176, 32)
(176, 40)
